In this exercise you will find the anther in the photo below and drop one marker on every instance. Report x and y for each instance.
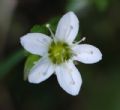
(48, 26)
(76, 43)
(83, 39)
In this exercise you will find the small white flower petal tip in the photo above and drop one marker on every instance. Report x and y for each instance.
(87, 54)
(58, 52)
(69, 78)
(67, 28)
(42, 70)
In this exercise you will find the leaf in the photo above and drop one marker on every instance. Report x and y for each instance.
(43, 29)
(31, 60)
(53, 23)
(39, 29)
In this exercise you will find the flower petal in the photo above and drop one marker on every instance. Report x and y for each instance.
(67, 28)
(69, 78)
(41, 71)
(86, 53)
(36, 43)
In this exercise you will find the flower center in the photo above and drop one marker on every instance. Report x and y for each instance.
(59, 52)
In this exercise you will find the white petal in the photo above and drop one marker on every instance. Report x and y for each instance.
(41, 71)
(69, 78)
(86, 53)
(36, 43)
(67, 28)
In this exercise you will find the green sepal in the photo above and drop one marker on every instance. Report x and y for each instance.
(53, 23)
(30, 62)
(39, 29)
(43, 29)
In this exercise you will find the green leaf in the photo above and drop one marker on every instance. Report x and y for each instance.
(43, 29)
(31, 60)
(53, 23)
(39, 29)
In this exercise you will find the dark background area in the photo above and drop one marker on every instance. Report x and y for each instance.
(99, 23)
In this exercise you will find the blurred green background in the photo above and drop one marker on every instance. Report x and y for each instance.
(99, 23)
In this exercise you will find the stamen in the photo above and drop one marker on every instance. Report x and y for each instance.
(59, 52)
(48, 26)
(83, 39)
(76, 43)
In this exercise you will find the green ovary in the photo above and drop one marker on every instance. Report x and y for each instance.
(59, 52)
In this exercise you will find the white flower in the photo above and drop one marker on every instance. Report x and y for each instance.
(58, 54)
